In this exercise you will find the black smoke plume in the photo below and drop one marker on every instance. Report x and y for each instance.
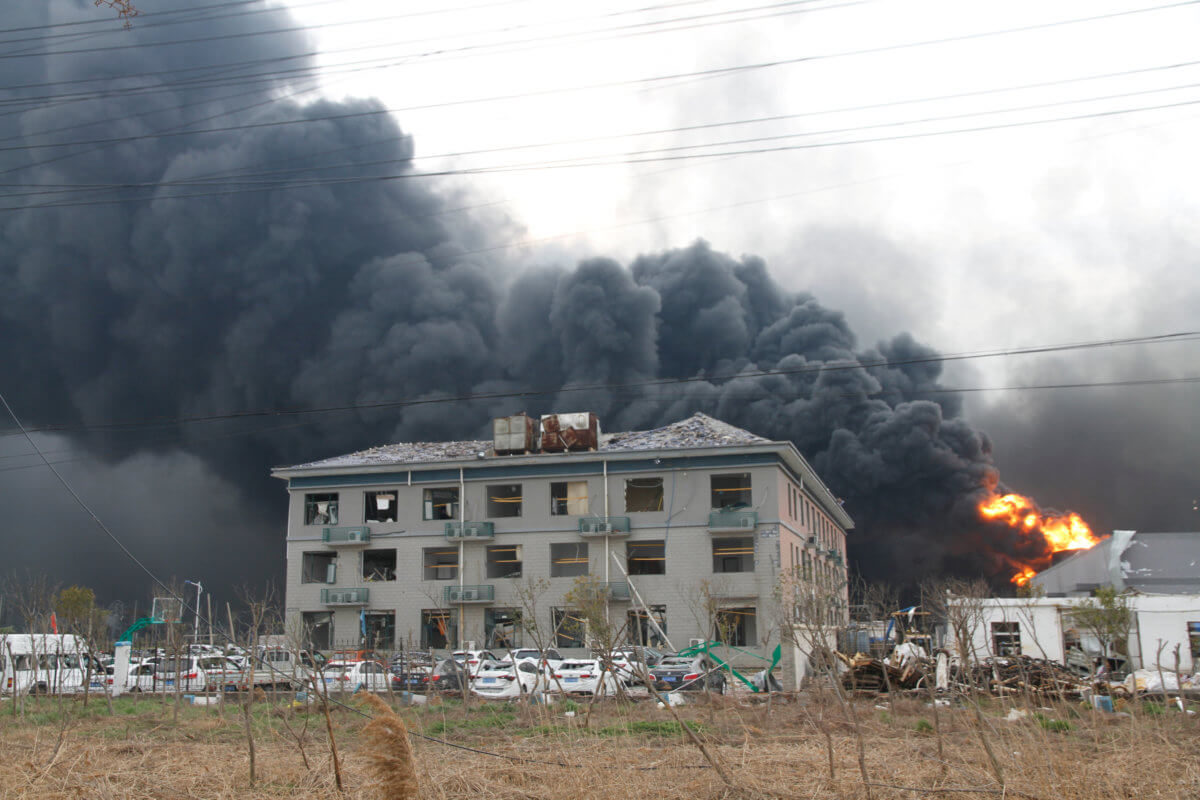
(285, 288)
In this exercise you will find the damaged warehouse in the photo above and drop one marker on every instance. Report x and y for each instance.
(441, 537)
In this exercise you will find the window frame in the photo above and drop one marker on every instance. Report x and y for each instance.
(580, 558)
(629, 484)
(362, 565)
(567, 498)
(371, 506)
(739, 542)
(630, 559)
(1005, 635)
(497, 569)
(715, 493)
(311, 501)
(326, 556)
(439, 550)
(495, 501)
(428, 505)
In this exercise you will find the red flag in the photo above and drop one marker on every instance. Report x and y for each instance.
(53, 623)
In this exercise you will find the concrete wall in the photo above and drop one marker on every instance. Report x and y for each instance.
(1156, 619)
(780, 540)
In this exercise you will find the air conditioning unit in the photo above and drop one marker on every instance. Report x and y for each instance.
(331, 573)
(469, 594)
(600, 527)
(357, 536)
(337, 597)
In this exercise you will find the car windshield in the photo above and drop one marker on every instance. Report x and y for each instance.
(572, 665)
(675, 662)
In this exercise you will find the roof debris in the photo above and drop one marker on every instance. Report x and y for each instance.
(698, 430)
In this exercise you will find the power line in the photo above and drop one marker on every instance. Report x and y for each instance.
(1181, 336)
(593, 162)
(225, 179)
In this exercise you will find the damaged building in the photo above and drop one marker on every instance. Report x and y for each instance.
(426, 545)
(1157, 570)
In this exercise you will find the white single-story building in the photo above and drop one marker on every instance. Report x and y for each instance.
(1043, 627)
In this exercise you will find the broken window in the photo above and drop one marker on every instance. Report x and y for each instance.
(321, 509)
(642, 631)
(502, 628)
(504, 561)
(441, 503)
(646, 558)
(568, 560)
(440, 563)
(318, 568)
(569, 497)
(1194, 640)
(643, 494)
(730, 491)
(504, 500)
(734, 554)
(737, 627)
(1006, 638)
(439, 629)
(318, 629)
(379, 565)
(379, 630)
(379, 506)
(570, 629)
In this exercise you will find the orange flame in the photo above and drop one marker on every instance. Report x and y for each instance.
(1058, 531)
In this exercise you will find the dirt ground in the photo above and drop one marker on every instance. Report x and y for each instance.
(804, 746)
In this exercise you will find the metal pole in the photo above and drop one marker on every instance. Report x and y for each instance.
(462, 521)
(637, 596)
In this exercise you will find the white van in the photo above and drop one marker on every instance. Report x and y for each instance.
(43, 662)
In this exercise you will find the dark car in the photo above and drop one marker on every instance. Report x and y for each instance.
(688, 673)
(447, 676)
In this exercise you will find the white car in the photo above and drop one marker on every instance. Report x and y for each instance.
(498, 679)
(583, 676)
(354, 676)
(549, 657)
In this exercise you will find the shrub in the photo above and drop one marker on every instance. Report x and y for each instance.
(923, 727)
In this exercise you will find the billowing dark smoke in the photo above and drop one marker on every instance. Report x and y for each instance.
(273, 293)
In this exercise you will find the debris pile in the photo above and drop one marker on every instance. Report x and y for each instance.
(999, 676)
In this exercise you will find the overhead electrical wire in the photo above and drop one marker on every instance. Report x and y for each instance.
(208, 180)
(334, 68)
(127, 46)
(1180, 336)
(593, 162)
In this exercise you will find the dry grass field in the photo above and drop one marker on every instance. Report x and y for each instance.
(802, 746)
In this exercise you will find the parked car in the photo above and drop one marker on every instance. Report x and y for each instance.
(506, 679)
(411, 676)
(448, 676)
(550, 657)
(690, 673)
(471, 659)
(354, 676)
(582, 676)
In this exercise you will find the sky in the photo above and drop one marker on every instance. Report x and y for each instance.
(984, 178)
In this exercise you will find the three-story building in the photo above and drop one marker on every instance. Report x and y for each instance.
(434, 545)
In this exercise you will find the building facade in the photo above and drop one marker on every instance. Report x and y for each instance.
(440, 545)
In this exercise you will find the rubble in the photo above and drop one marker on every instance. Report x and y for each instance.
(698, 430)
(999, 676)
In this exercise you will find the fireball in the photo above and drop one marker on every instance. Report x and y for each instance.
(1058, 532)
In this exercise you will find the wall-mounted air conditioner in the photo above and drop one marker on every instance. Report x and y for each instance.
(599, 527)
(356, 536)
(469, 594)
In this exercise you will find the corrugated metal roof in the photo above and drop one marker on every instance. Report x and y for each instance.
(698, 430)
